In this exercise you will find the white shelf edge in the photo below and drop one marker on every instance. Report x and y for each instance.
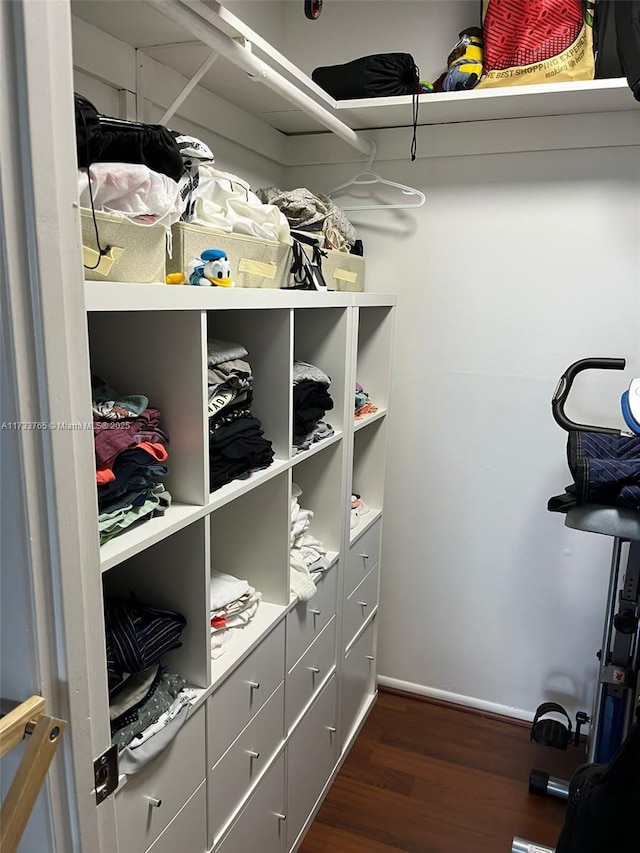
(373, 299)
(358, 423)
(368, 520)
(595, 87)
(267, 616)
(317, 447)
(137, 296)
(236, 488)
(148, 533)
(332, 557)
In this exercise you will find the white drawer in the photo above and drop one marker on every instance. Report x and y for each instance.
(245, 760)
(311, 757)
(308, 618)
(187, 832)
(359, 606)
(358, 682)
(363, 556)
(171, 779)
(261, 825)
(244, 692)
(311, 670)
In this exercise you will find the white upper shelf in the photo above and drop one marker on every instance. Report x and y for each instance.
(548, 99)
(143, 26)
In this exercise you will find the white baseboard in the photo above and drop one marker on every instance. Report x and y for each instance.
(455, 698)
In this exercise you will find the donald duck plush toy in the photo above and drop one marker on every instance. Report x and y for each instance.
(211, 268)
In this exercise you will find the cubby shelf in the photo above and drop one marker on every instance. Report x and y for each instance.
(147, 533)
(364, 524)
(236, 488)
(317, 447)
(267, 617)
(358, 423)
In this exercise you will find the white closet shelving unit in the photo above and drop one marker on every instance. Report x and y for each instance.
(277, 714)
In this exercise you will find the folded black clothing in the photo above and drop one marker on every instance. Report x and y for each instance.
(237, 448)
(310, 402)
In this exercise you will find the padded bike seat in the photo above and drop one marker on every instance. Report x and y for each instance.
(607, 520)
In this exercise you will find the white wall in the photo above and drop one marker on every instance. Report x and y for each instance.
(518, 265)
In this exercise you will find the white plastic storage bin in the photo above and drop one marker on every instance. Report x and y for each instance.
(144, 256)
(254, 262)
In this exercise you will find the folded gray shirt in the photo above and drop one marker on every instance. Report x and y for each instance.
(303, 372)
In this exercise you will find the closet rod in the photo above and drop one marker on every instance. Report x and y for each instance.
(201, 25)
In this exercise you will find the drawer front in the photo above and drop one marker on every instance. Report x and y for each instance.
(171, 779)
(187, 832)
(309, 673)
(363, 556)
(359, 606)
(308, 618)
(243, 763)
(311, 758)
(260, 825)
(241, 696)
(358, 680)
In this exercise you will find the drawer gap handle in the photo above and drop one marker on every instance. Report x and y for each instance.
(154, 803)
(314, 670)
(254, 685)
(253, 754)
(363, 604)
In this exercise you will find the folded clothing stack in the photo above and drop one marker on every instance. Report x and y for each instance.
(311, 400)
(237, 445)
(233, 604)
(358, 510)
(308, 556)
(130, 449)
(363, 404)
(147, 703)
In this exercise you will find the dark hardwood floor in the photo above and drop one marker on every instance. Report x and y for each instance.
(425, 777)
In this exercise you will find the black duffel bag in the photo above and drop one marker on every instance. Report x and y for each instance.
(102, 139)
(382, 75)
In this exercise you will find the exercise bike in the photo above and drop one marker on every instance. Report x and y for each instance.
(605, 499)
